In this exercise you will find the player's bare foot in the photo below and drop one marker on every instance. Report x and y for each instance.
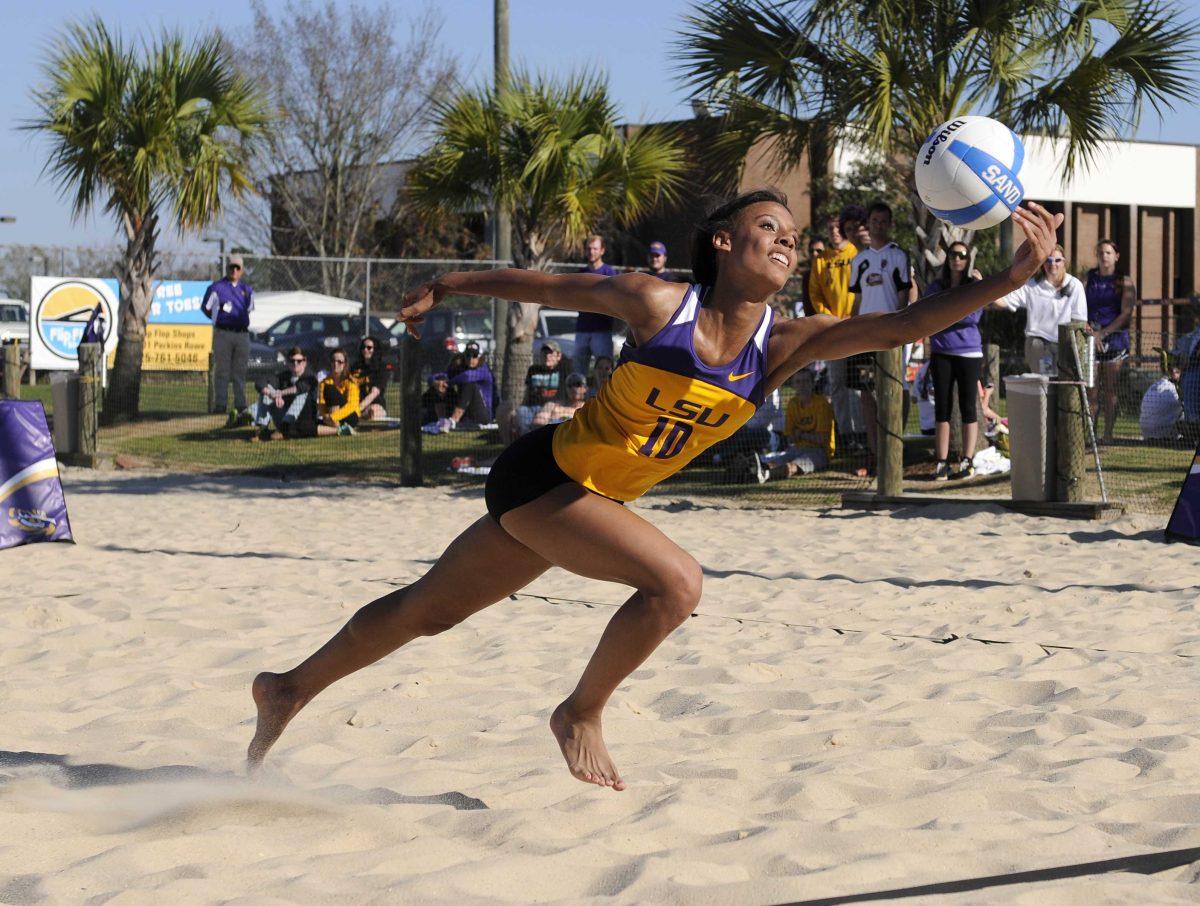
(582, 745)
(277, 705)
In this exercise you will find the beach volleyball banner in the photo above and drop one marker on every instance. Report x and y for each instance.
(1184, 524)
(32, 506)
(178, 335)
(59, 310)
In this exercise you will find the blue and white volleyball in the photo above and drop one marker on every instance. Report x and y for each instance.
(969, 172)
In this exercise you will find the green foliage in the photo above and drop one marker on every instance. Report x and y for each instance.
(136, 129)
(551, 153)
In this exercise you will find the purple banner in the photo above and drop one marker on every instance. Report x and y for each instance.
(1184, 524)
(32, 507)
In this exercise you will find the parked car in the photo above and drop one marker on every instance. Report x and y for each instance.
(264, 360)
(319, 334)
(447, 331)
(14, 320)
(559, 326)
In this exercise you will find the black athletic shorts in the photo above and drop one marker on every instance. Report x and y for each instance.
(524, 472)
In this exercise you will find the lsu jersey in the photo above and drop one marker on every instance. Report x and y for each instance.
(661, 408)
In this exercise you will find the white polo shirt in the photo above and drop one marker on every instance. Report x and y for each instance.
(881, 277)
(1047, 306)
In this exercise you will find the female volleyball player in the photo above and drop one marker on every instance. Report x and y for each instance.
(701, 358)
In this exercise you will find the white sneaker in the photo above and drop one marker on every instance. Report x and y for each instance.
(942, 473)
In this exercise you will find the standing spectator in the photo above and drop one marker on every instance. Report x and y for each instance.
(880, 278)
(829, 293)
(602, 373)
(594, 332)
(561, 409)
(956, 361)
(808, 425)
(1110, 301)
(372, 376)
(1051, 299)
(473, 385)
(228, 302)
(657, 261)
(437, 402)
(337, 397)
(804, 307)
(291, 403)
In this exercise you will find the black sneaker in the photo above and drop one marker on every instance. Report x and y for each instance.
(942, 472)
(966, 469)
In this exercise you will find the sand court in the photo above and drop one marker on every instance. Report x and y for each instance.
(826, 725)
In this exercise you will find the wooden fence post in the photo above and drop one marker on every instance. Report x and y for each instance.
(1069, 458)
(89, 399)
(411, 474)
(889, 393)
(12, 370)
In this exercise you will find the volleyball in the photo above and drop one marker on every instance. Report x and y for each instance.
(968, 172)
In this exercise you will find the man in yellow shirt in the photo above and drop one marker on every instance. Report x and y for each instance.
(829, 293)
(808, 425)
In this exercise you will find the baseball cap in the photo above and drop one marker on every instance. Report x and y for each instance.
(438, 376)
(657, 248)
(576, 378)
(471, 348)
(551, 344)
(235, 260)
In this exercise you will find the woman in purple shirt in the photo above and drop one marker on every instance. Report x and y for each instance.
(1110, 301)
(957, 359)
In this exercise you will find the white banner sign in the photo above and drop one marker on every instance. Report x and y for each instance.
(59, 309)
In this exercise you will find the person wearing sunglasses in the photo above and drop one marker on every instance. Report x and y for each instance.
(1050, 297)
(290, 403)
(372, 376)
(337, 397)
(228, 303)
(567, 404)
(956, 360)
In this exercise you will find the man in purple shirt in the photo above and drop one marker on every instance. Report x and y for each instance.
(657, 260)
(593, 332)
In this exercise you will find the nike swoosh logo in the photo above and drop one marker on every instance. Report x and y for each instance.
(738, 377)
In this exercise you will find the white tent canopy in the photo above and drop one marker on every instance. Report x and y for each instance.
(269, 307)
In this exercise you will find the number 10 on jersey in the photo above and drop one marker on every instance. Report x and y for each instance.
(672, 443)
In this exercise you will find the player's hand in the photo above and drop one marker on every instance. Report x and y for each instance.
(418, 301)
(1041, 235)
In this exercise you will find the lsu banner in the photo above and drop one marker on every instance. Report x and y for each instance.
(178, 335)
(32, 507)
(1184, 524)
(59, 310)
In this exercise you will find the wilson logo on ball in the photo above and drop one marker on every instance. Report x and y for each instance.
(969, 172)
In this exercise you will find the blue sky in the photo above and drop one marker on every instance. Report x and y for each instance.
(628, 39)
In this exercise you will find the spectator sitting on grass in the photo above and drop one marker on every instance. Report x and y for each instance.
(372, 376)
(570, 402)
(291, 403)
(603, 371)
(473, 385)
(1161, 411)
(338, 398)
(437, 402)
(809, 429)
(543, 384)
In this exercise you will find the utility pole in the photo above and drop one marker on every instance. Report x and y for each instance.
(502, 224)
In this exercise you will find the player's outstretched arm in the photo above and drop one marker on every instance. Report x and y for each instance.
(829, 338)
(634, 298)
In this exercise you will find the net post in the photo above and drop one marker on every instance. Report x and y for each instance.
(1069, 460)
(889, 390)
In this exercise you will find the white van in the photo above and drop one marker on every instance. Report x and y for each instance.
(14, 320)
(273, 306)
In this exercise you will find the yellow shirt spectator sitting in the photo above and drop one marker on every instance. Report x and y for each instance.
(808, 424)
(337, 398)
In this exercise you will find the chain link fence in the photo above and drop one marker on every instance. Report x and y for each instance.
(1154, 414)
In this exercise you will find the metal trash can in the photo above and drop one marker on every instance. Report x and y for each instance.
(64, 396)
(1031, 436)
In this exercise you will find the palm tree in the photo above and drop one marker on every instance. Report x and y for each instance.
(552, 155)
(161, 131)
(802, 74)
